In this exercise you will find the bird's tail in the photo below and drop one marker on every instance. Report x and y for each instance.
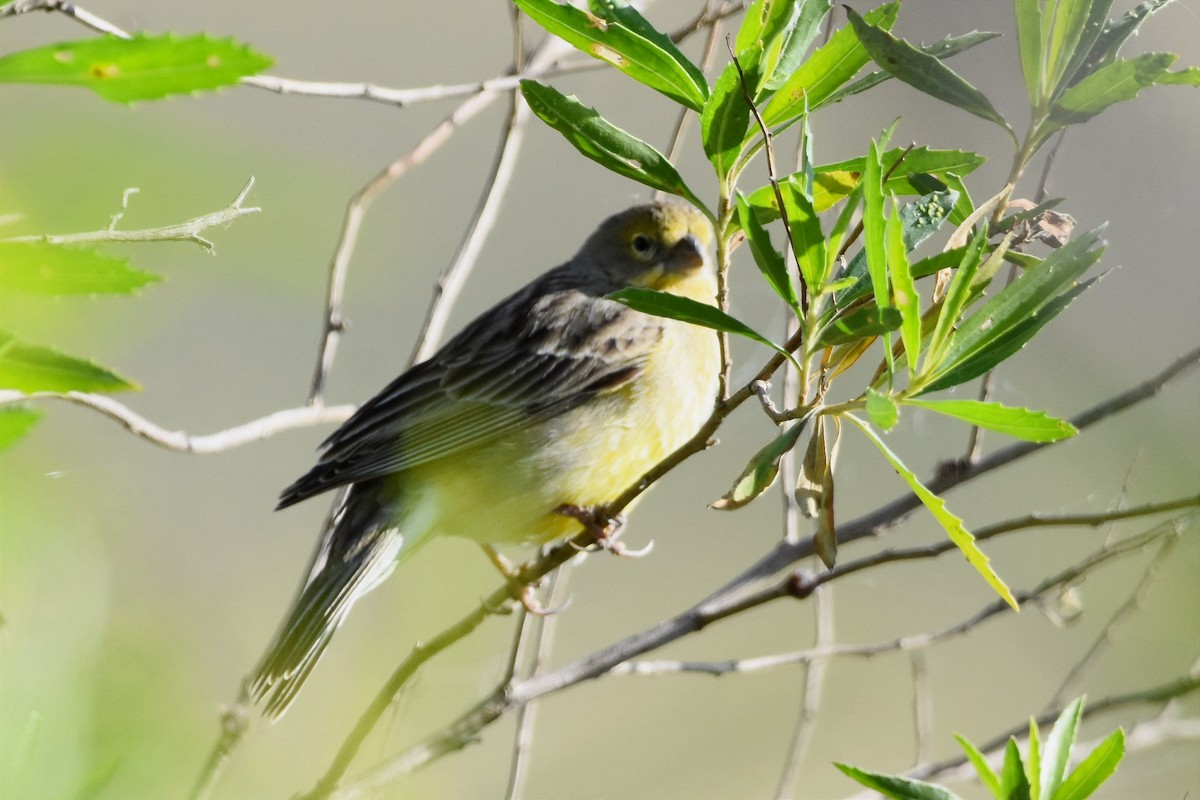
(357, 552)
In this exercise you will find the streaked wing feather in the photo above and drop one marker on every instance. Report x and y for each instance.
(539, 353)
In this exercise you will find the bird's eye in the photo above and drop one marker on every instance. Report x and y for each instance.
(642, 244)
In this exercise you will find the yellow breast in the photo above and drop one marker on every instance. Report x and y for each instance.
(507, 490)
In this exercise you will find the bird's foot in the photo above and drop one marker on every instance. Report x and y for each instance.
(605, 529)
(523, 593)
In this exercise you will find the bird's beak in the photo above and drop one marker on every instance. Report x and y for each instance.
(686, 255)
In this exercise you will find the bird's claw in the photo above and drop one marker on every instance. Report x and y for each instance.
(605, 529)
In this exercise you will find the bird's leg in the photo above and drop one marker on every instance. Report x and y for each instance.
(523, 593)
(604, 528)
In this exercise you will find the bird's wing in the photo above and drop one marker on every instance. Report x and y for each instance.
(537, 354)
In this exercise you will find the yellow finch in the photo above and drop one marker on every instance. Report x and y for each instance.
(556, 397)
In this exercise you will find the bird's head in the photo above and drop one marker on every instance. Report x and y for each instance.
(657, 246)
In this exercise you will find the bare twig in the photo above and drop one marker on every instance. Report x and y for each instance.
(507, 697)
(541, 639)
(452, 279)
(810, 704)
(261, 428)
(922, 706)
(188, 231)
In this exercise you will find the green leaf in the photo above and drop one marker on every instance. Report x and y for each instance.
(868, 320)
(762, 24)
(1029, 40)
(1115, 34)
(603, 142)
(1112, 83)
(954, 302)
(822, 73)
(1021, 423)
(786, 51)
(922, 217)
(1188, 76)
(897, 786)
(15, 422)
(874, 225)
(620, 36)
(922, 71)
(882, 410)
(953, 526)
(807, 238)
(769, 261)
(986, 776)
(725, 121)
(761, 471)
(1067, 20)
(1094, 770)
(943, 48)
(1005, 346)
(145, 67)
(904, 290)
(1018, 303)
(43, 268)
(684, 309)
(1096, 17)
(1013, 783)
(1033, 763)
(1057, 752)
(32, 368)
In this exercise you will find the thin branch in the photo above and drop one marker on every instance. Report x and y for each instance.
(920, 640)
(813, 686)
(452, 279)
(728, 600)
(253, 431)
(542, 639)
(188, 231)
(922, 706)
(507, 697)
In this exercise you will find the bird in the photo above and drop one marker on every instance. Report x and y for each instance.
(556, 399)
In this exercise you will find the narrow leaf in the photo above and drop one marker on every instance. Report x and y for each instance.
(1188, 76)
(1112, 83)
(904, 290)
(814, 493)
(1021, 423)
(822, 73)
(1096, 18)
(1094, 770)
(725, 121)
(897, 786)
(1013, 783)
(953, 526)
(1004, 347)
(1057, 752)
(943, 48)
(868, 320)
(979, 761)
(145, 67)
(786, 52)
(639, 51)
(922, 71)
(15, 422)
(684, 309)
(1033, 763)
(49, 269)
(806, 235)
(761, 471)
(1069, 19)
(603, 142)
(1029, 41)
(32, 368)
(769, 260)
(1019, 301)
(1115, 34)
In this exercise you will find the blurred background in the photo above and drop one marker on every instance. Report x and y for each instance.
(139, 585)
